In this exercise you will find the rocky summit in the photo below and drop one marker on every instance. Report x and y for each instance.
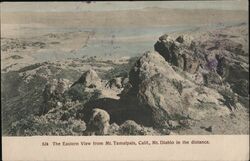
(194, 82)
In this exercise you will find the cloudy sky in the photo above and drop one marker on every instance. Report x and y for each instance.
(109, 6)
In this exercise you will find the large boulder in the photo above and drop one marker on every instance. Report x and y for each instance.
(150, 64)
(153, 89)
(160, 95)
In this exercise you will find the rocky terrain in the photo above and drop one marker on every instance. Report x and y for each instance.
(194, 82)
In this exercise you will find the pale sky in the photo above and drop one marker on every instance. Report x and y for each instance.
(111, 6)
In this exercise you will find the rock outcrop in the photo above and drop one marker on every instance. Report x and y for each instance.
(89, 79)
(217, 59)
(169, 97)
(178, 53)
(153, 89)
(86, 87)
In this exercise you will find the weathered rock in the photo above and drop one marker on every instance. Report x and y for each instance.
(164, 47)
(89, 79)
(177, 53)
(150, 64)
(162, 98)
(99, 122)
(86, 87)
(153, 89)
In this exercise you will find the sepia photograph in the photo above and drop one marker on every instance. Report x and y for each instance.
(124, 68)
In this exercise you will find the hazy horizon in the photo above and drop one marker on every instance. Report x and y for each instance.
(115, 6)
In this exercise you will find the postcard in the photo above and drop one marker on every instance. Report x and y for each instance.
(125, 80)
